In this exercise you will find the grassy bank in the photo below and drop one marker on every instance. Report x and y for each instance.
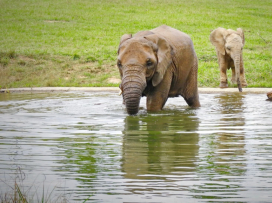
(74, 43)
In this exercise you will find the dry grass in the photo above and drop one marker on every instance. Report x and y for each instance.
(38, 71)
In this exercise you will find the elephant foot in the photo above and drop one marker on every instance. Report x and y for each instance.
(223, 85)
(244, 84)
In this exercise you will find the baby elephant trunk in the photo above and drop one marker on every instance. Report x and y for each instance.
(132, 88)
(237, 72)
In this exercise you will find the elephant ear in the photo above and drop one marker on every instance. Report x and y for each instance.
(217, 38)
(164, 55)
(124, 38)
(143, 33)
(241, 33)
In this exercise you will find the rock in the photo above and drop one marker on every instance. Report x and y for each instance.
(269, 95)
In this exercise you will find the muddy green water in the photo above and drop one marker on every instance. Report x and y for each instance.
(84, 145)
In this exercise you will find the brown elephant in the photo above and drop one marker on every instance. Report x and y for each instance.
(229, 48)
(158, 64)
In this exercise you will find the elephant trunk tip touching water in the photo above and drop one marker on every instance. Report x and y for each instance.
(132, 97)
(132, 89)
(237, 71)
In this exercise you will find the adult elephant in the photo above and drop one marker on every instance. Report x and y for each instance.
(158, 64)
(229, 48)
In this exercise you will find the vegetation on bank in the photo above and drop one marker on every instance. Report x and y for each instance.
(74, 43)
(19, 192)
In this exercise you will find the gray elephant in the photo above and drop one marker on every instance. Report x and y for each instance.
(229, 48)
(158, 64)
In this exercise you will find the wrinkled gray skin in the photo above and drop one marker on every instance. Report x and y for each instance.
(229, 45)
(158, 64)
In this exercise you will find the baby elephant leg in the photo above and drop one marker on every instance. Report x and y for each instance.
(223, 76)
(242, 76)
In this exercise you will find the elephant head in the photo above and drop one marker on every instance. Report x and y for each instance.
(231, 43)
(141, 58)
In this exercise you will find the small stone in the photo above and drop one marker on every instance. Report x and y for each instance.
(269, 95)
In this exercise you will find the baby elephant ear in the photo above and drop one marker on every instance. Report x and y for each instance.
(241, 33)
(164, 55)
(217, 38)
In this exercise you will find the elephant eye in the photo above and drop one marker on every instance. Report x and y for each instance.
(119, 64)
(228, 48)
(149, 62)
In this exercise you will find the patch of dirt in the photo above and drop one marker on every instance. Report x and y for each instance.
(82, 77)
(26, 58)
(114, 80)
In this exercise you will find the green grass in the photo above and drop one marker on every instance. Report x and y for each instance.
(74, 43)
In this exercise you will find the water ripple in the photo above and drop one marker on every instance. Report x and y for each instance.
(85, 146)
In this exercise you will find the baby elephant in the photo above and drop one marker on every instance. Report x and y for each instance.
(229, 47)
(158, 64)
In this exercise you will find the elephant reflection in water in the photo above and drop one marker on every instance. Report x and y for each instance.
(232, 107)
(228, 143)
(158, 145)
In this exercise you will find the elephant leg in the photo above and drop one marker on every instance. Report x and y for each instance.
(223, 75)
(191, 97)
(223, 69)
(190, 93)
(243, 80)
(157, 98)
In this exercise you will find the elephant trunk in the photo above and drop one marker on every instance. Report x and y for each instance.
(237, 71)
(132, 87)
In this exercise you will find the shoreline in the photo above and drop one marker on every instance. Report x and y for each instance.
(116, 89)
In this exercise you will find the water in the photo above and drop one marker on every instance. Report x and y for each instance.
(78, 146)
